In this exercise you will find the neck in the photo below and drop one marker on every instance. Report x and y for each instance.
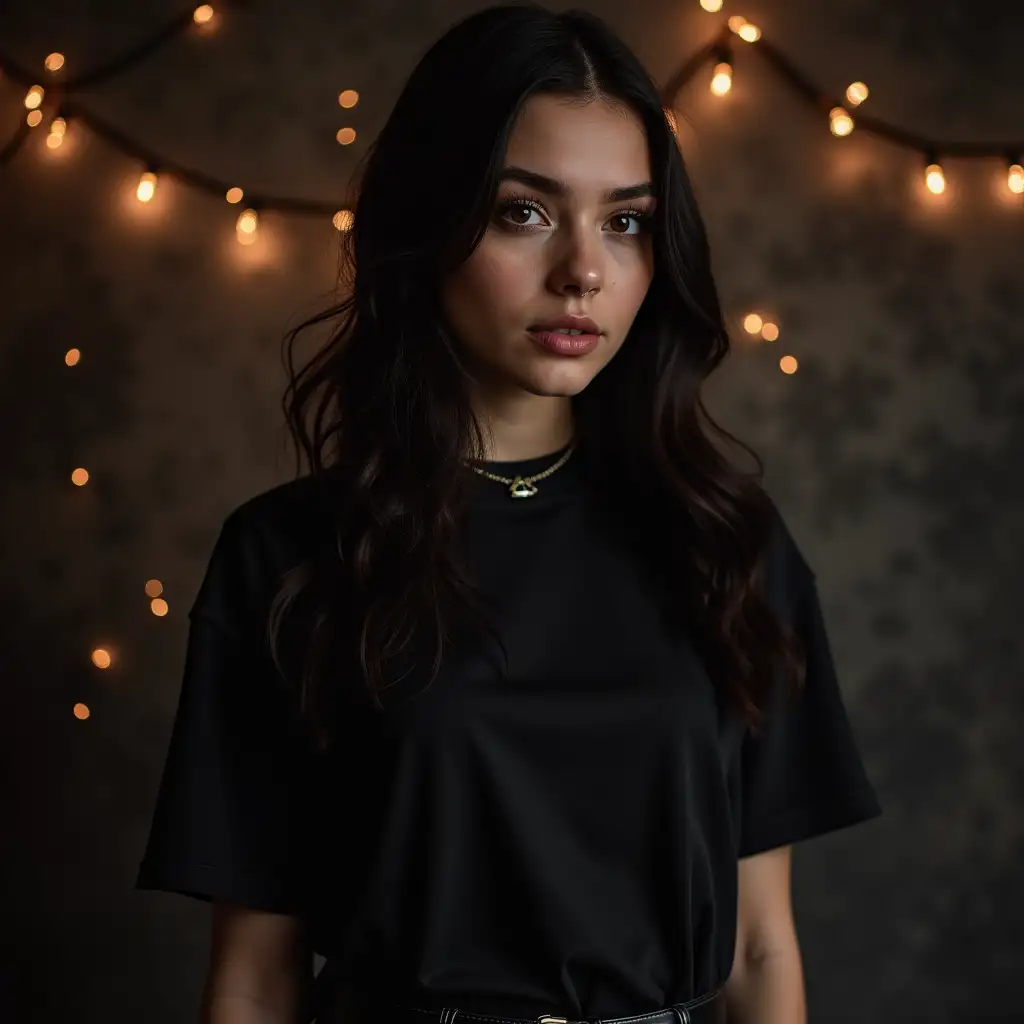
(547, 428)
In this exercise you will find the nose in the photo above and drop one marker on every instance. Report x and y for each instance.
(580, 268)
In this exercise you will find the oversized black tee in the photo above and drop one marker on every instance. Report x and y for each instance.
(562, 841)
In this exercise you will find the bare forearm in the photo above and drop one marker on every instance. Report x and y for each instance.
(767, 990)
(247, 1008)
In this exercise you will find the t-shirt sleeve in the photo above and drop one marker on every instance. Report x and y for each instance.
(802, 775)
(230, 822)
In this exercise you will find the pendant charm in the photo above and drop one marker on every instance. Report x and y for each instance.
(520, 488)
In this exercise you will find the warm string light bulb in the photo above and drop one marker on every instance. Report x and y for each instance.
(1015, 177)
(54, 62)
(840, 121)
(856, 93)
(147, 187)
(721, 80)
(34, 97)
(346, 135)
(201, 15)
(749, 33)
(245, 227)
(234, 195)
(348, 98)
(934, 177)
(34, 118)
(712, 6)
(58, 127)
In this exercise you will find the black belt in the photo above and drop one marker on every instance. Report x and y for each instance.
(706, 1009)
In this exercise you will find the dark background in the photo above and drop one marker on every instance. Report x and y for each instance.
(894, 451)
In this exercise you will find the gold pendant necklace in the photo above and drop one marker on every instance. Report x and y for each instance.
(525, 486)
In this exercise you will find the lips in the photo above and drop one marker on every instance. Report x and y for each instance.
(569, 323)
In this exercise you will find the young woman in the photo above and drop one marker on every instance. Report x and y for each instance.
(514, 705)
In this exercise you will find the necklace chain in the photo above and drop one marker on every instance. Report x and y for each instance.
(524, 486)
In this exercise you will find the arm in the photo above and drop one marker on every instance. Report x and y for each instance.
(260, 968)
(766, 985)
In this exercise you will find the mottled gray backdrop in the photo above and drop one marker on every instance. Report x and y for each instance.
(895, 451)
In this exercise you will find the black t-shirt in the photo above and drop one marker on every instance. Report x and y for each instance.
(565, 841)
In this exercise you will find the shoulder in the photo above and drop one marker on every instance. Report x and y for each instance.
(259, 541)
(786, 572)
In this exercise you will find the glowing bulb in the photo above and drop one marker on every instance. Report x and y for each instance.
(752, 323)
(712, 6)
(770, 332)
(736, 22)
(34, 97)
(54, 62)
(348, 98)
(34, 118)
(147, 187)
(72, 356)
(788, 364)
(343, 220)
(101, 657)
(81, 712)
(721, 82)
(1015, 178)
(346, 135)
(248, 222)
(749, 33)
(201, 15)
(158, 606)
(58, 126)
(80, 477)
(856, 93)
(841, 122)
(154, 588)
(234, 195)
(935, 179)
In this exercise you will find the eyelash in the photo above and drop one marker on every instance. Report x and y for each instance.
(644, 218)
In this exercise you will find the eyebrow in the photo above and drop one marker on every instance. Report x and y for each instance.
(552, 187)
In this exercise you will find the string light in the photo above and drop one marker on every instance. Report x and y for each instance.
(346, 135)
(713, 6)
(749, 33)
(102, 658)
(34, 118)
(81, 712)
(934, 177)
(72, 356)
(752, 323)
(80, 477)
(147, 187)
(234, 195)
(1015, 176)
(788, 364)
(54, 62)
(841, 122)
(721, 80)
(153, 588)
(736, 22)
(856, 93)
(34, 97)
(58, 126)
(245, 227)
(348, 98)
(201, 15)
(158, 606)
(770, 332)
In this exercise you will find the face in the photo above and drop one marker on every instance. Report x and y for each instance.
(559, 242)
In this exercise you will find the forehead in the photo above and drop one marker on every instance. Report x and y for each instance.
(591, 146)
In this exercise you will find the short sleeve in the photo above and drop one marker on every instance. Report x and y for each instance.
(230, 822)
(802, 774)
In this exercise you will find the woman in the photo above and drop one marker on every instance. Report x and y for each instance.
(512, 707)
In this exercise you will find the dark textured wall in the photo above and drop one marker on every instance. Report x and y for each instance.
(895, 451)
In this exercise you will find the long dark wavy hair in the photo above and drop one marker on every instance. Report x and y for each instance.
(382, 408)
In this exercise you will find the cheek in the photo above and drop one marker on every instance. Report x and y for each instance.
(494, 283)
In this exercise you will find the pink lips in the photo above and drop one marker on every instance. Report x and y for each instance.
(565, 344)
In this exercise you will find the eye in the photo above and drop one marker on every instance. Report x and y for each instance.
(641, 218)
